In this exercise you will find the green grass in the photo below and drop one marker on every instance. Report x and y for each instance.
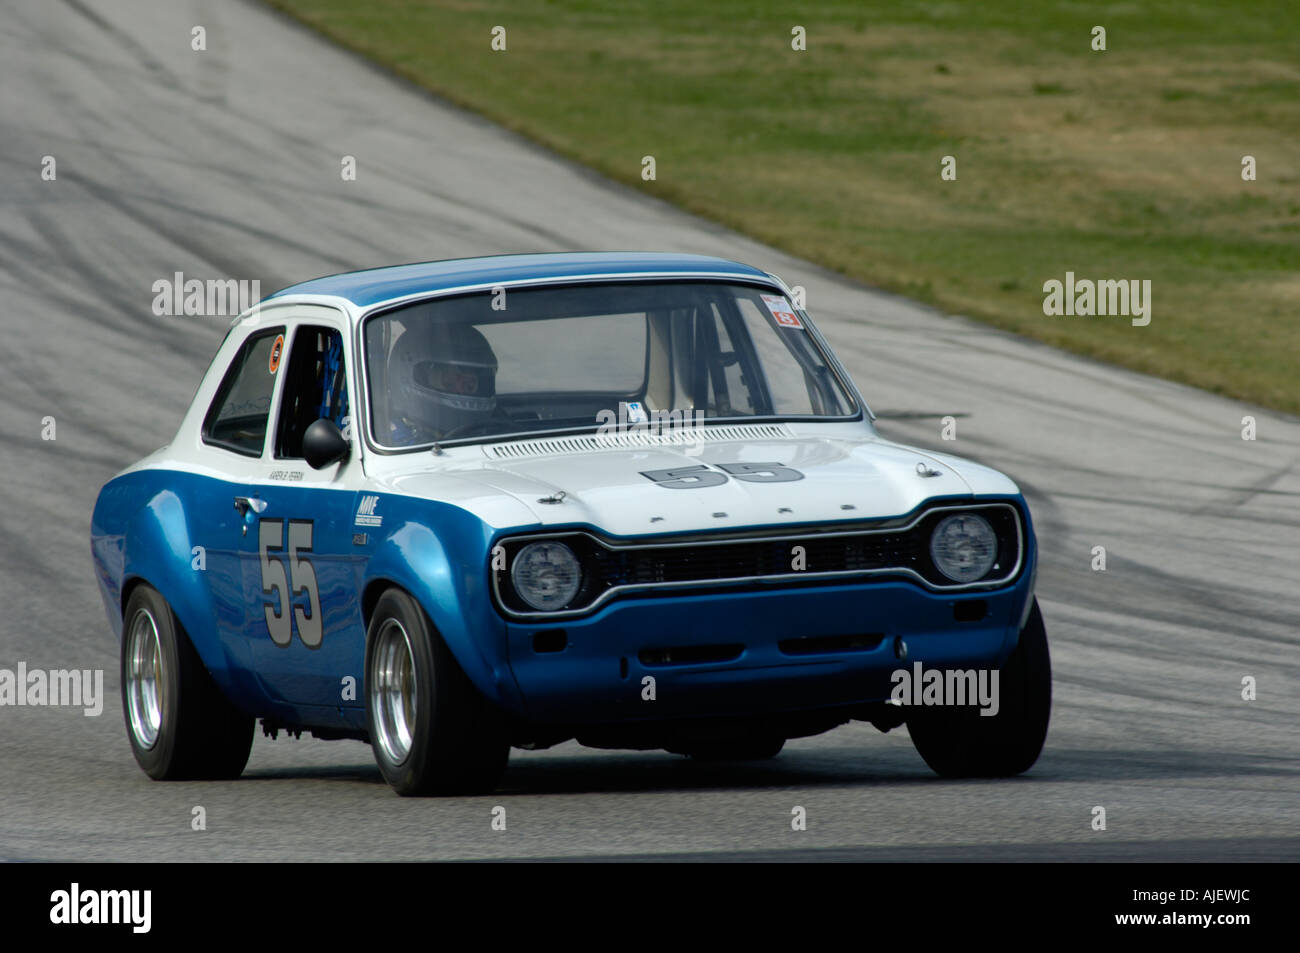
(1117, 164)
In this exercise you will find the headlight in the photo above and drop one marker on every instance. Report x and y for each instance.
(546, 575)
(964, 547)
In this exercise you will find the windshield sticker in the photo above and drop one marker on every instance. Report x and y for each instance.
(782, 311)
(277, 349)
(635, 412)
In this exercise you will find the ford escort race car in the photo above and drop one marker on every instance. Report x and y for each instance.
(631, 499)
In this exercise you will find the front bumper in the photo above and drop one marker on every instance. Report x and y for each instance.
(742, 653)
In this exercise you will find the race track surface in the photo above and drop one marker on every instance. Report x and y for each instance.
(226, 163)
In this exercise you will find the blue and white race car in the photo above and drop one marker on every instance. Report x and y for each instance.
(627, 498)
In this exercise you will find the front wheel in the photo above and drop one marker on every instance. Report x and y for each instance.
(962, 743)
(431, 731)
(180, 725)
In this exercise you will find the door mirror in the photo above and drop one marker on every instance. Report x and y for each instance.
(323, 444)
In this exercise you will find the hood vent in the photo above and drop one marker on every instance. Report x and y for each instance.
(670, 437)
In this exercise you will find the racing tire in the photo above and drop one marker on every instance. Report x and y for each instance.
(180, 726)
(431, 731)
(962, 743)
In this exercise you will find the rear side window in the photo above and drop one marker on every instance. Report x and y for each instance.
(238, 416)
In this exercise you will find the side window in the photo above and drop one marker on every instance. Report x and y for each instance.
(238, 416)
(315, 387)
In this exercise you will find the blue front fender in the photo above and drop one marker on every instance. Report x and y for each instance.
(446, 574)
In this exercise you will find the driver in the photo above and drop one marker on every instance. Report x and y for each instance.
(443, 380)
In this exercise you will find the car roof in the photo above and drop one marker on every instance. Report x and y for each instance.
(377, 285)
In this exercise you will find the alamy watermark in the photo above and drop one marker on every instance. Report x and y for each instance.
(216, 297)
(946, 687)
(56, 688)
(75, 906)
(632, 417)
(1085, 297)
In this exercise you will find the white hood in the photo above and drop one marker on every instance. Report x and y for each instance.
(843, 479)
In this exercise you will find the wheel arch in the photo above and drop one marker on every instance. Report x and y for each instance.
(420, 566)
(158, 552)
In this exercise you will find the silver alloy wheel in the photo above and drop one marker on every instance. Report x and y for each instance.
(144, 679)
(393, 690)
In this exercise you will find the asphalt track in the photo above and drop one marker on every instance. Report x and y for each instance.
(226, 163)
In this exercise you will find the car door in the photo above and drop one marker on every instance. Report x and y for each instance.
(232, 444)
(301, 574)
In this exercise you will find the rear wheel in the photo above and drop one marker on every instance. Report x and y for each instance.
(180, 725)
(431, 731)
(959, 743)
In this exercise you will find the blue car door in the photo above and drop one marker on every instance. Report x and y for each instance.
(301, 574)
(224, 519)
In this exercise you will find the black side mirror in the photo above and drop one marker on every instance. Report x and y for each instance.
(323, 444)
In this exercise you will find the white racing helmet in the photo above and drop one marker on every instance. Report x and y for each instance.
(443, 377)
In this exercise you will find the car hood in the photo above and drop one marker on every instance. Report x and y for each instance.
(841, 480)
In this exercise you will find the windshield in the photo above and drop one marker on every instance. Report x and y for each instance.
(611, 356)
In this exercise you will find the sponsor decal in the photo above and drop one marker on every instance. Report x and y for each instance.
(277, 351)
(782, 311)
(366, 515)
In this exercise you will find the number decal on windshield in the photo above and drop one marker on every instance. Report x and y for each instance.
(276, 587)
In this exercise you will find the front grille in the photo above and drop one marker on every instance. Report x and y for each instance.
(898, 548)
(763, 558)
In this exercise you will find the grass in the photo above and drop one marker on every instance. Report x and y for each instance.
(1117, 164)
